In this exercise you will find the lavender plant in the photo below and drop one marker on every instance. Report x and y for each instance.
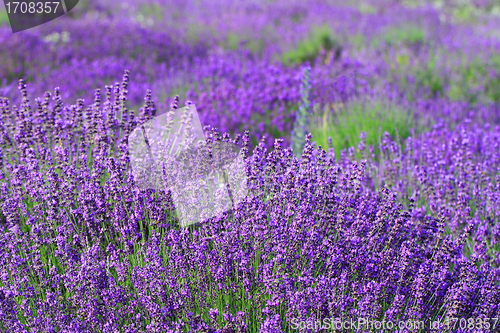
(403, 228)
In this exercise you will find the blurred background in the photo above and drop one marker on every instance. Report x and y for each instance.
(375, 65)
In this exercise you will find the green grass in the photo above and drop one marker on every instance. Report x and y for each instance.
(429, 77)
(196, 32)
(475, 83)
(396, 36)
(4, 19)
(461, 11)
(154, 11)
(472, 80)
(344, 124)
(358, 41)
(235, 41)
(427, 74)
(366, 8)
(320, 38)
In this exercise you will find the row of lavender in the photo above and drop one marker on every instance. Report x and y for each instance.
(246, 63)
(408, 234)
(412, 236)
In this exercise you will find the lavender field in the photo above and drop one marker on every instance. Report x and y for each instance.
(370, 135)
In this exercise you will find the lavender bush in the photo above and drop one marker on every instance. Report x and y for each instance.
(398, 225)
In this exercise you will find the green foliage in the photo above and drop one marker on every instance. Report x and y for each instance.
(344, 124)
(474, 81)
(320, 38)
(234, 41)
(426, 75)
(4, 19)
(430, 77)
(395, 36)
(152, 10)
(366, 8)
(471, 80)
(358, 41)
(196, 32)
(461, 11)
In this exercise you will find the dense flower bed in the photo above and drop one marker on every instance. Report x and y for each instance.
(399, 226)
(412, 236)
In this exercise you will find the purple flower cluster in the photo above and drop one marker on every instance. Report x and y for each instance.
(411, 234)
